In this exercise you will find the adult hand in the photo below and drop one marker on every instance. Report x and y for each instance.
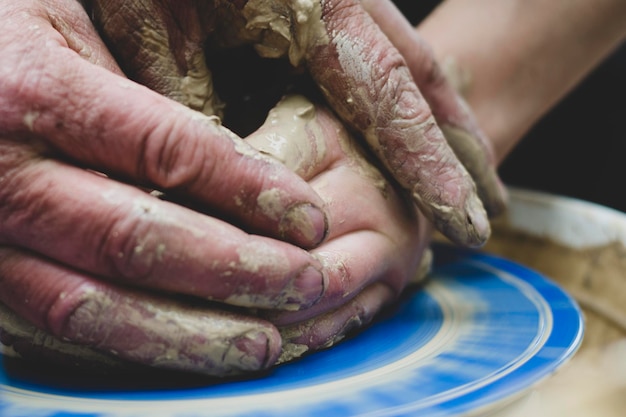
(69, 236)
(363, 77)
(377, 238)
(449, 108)
(374, 250)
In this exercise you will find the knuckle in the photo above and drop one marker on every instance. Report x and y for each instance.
(91, 316)
(18, 95)
(84, 322)
(408, 106)
(21, 200)
(71, 309)
(129, 247)
(32, 83)
(170, 159)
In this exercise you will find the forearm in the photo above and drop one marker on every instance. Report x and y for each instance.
(519, 57)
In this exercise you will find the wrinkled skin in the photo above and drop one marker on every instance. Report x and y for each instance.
(363, 77)
(60, 274)
(369, 258)
(70, 237)
(450, 110)
(370, 255)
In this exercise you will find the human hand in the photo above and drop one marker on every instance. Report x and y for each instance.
(449, 108)
(361, 74)
(71, 240)
(377, 239)
(374, 250)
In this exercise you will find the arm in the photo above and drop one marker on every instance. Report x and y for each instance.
(521, 57)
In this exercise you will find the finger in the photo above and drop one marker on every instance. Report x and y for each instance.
(383, 242)
(367, 82)
(450, 110)
(329, 329)
(32, 344)
(121, 128)
(301, 136)
(353, 262)
(119, 232)
(133, 326)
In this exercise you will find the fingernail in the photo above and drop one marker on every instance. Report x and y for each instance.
(304, 224)
(255, 350)
(304, 290)
(477, 223)
(466, 226)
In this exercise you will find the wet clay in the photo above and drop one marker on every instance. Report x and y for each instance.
(286, 27)
(292, 135)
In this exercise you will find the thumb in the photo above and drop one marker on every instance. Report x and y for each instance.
(118, 127)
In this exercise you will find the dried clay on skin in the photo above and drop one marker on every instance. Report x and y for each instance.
(198, 340)
(293, 136)
(197, 86)
(13, 327)
(253, 258)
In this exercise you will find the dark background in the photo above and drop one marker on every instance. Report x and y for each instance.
(578, 148)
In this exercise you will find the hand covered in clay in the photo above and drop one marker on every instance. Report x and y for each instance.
(449, 109)
(374, 250)
(73, 239)
(363, 77)
(377, 240)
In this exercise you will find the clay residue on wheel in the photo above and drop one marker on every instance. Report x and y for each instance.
(593, 275)
(593, 382)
